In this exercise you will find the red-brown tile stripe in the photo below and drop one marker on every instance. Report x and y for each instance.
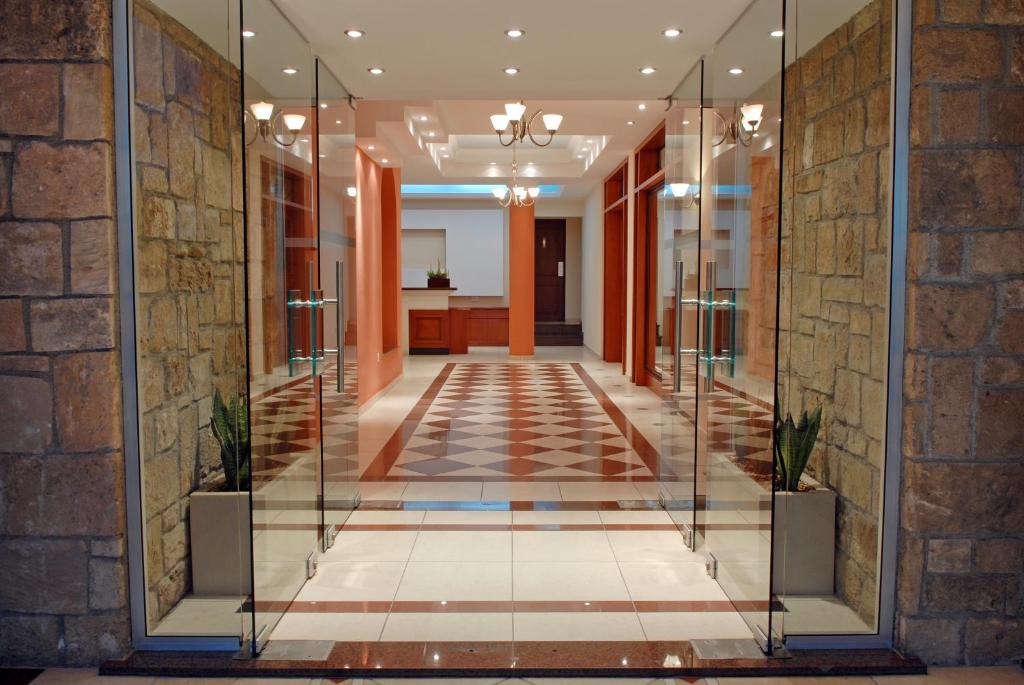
(388, 454)
(650, 456)
(517, 526)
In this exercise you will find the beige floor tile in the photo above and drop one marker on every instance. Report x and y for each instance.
(937, 675)
(445, 545)
(651, 545)
(337, 627)
(425, 491)
(443, 627)
(488, 518)
(618, 626)
(456, 581)
(366, 545)
(353, 582)
(567, 581)
(561, 545)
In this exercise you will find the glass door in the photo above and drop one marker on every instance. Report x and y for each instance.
(286, 309)
(679, 263)
(336, 198)
(737, 303)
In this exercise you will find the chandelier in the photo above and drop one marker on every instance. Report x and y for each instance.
(743, 128)
(514, 194)
(515, 118)
(266, 120)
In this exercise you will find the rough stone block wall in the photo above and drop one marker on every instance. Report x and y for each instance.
(62, 529)
(189, 276)
(835, 272)
(961, 577)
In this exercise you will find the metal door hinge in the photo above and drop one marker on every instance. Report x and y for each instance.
(711, 565)
(311, 565)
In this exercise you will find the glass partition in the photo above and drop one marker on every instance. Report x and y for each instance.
(286, 308)
(737, 286)
(336, 194)
(834, 315)
(679, 262)
(190, 316)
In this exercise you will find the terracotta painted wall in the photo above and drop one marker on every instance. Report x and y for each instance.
(377, 367)
(520, 299)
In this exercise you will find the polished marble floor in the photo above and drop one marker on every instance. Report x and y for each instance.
(1004, 675)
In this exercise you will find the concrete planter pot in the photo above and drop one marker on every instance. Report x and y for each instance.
(221, 543)
(804, 542)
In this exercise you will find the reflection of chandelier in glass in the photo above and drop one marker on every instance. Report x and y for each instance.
(742, 129)
(515, 117)
(514, 194)
(266, 120)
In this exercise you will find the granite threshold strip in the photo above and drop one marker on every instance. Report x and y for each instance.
(514, 659)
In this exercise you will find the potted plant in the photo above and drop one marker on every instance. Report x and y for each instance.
(219, 525)
(438, 277)
(804, 532)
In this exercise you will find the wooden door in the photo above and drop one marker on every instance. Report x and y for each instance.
(549, 270)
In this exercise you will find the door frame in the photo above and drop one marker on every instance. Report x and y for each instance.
(613, 346)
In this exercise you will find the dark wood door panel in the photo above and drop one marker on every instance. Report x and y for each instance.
(549, 270)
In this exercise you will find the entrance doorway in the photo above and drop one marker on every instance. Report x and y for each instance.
(549, 270)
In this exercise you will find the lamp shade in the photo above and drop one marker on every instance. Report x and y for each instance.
(552, 122)
(534, 191)
(262, 110)
(519, 191)
(499, 122)
(294, 122)
(515, 110)
(500, 193)
(351, 191)
(679, 189)
(751, 116)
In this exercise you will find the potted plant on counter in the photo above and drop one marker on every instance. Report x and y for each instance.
(220, 532)
(804, 532)
(438, 277)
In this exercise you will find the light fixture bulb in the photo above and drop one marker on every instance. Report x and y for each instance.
(290, 70)
(641, 107)
(552, 122)
(534, 191)
(376, 71)
(519, 191)
(355, 33)
(515, 33)
(515, 111)
(384, 161)
(671, 33)
(499, 122)
(323, 105)
(351, 191)
(294, 122)
(630, 122)
(371, 147)
(647, 71)
(511, 71)
(499, 193)
(679, 189)
(751, 116)
(430, 134)
(262, 110)
(735, 71)
(423, 117)
(337, 121)
(246, 33)
(777, 33)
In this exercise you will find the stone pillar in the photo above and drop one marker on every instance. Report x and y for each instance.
(63, 593)
(962, 523)
(520, 281)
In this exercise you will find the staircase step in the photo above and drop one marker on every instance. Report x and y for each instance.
(558, 333)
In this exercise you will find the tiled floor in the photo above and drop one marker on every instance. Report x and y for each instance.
(1006, 675)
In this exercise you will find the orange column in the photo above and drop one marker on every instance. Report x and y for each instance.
(520, 281)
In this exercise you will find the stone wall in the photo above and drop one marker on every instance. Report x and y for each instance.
(834, 322)
(961, 571)
(189, 277)
(62, 529)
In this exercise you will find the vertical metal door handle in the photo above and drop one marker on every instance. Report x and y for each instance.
(709, 344)
(561, 269)
(339, 291)
(677, 375)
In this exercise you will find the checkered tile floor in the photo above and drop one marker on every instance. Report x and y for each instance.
(516, 422)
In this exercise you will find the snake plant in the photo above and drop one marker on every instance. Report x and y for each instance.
(230, 424)
(794, 443)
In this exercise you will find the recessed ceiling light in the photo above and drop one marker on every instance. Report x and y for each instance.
(511, 71)
(430, 134)
(323, 105)
(322, 155)
(686, 122)
(494, 164)
(515, 33)
(371, 147)
(355, 33)
(529, 164)
(630, 122)
(641, 107)
(735, 71)
(445, 156)
(290, 70)
(671, 33)
(423, 117)
(647, 71)
(337, 121)
(581, 156)
(590, 141)
(777, 33)
(384, 161)
(248, 34)
(376, 71)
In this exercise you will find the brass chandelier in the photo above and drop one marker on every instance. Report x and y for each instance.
(515, 118)
(515, 195)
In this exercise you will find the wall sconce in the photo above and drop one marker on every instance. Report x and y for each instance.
(743, 126)
(688, 194)
(266, 120)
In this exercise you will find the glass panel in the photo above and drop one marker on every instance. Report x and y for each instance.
(286, 307)
(336, 193)
(190, 316)
(835, 310)
(738, 277)
(679, 212)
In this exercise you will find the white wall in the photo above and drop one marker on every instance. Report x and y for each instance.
(592, 271)
(573, 269)
(474, 248)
